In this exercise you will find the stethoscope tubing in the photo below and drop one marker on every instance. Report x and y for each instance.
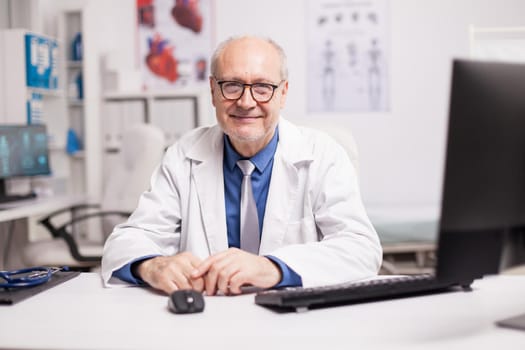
(27, 277)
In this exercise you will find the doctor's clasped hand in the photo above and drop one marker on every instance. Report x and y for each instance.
(225, 272)
(228, 271)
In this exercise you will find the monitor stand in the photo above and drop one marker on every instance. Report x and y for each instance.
(516, 322)
(7, 198)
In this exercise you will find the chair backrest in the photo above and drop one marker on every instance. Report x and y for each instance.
(142, 149)
(340, 133)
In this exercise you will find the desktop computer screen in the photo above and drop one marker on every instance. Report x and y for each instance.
(482, 224)
(483, 204)
(23, 152)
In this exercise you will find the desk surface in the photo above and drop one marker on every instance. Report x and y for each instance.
(81, 314)
(36, 206)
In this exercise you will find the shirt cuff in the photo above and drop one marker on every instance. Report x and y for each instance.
(125, 274)
(289, 277)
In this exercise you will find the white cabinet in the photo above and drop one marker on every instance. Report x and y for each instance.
(29, 67)
(31, 92)
(56, 100)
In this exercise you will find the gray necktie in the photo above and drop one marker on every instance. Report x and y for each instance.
(249, 217)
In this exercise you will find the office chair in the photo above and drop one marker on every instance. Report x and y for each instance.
(142, 149)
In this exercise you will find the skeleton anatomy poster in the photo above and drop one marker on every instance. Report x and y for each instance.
(174, 42)
(348, 51)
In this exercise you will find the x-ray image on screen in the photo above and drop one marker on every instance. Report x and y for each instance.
(23, 151)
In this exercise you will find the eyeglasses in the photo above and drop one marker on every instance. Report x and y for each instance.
(233, 90)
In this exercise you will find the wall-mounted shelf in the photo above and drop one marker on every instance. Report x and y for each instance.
(175, 112)
(79, 155)
(181, 92)
(74, 64)
(46, 92)
(75, 103)
(70, 29)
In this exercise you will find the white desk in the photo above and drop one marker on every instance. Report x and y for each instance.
(36, 206)
(22, 210)
(81, 314)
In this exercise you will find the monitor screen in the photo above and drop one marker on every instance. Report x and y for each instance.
(483, 204)
(23, 151)
(485, 170)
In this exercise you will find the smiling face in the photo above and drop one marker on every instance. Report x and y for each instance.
(249, 124)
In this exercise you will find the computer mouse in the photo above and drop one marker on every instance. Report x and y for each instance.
(186, 301)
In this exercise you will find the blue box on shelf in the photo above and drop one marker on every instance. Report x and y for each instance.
(41, 62)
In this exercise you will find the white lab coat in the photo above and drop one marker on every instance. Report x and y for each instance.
(315, 220)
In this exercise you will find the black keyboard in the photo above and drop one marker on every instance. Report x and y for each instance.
(300, 298)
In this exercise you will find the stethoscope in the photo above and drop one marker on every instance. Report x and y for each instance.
(28, 277)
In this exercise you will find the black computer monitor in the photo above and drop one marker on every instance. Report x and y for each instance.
(23, 152)
(483, 204)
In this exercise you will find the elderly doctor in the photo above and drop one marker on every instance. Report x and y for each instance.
(310, 224)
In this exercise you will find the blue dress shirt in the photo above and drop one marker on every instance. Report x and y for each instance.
(261, 176)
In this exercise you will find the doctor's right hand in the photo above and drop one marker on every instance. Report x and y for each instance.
(171, 273)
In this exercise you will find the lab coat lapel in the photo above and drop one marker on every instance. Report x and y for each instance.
(281, 197)
(207, 175)
(284, 186)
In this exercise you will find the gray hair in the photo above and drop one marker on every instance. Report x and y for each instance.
(220, 48)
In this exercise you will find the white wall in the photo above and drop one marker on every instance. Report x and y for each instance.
(401, 152)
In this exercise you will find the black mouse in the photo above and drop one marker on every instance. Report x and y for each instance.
(186, 301)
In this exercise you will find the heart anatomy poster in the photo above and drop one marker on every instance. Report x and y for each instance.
(348, 53)
(174, 42)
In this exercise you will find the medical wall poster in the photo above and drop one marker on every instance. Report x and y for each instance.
(348, 55)
(174, 42)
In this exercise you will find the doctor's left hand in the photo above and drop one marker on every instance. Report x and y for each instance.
(170, 273)
(227, 271)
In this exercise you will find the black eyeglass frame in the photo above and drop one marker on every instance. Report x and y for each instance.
(244, 85)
